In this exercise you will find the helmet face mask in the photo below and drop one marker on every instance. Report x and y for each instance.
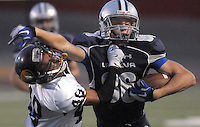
(38, 64)
(45, 24)
(119, 21)
(119, 27)
(44, 15)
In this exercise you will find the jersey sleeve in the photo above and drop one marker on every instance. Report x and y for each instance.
(85, 41)
(82, 42)
(158, 63)
(158, 54)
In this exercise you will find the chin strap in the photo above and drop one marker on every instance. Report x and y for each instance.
(62, 66)
(50, 75)
(59, 70)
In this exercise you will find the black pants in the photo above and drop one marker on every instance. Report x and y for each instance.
(142, 122)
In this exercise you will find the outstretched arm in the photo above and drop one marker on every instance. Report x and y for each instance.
(48, 38)
(59, 42)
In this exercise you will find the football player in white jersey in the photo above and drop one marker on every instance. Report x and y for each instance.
(119, 24)
(42, 15)
(56, 98)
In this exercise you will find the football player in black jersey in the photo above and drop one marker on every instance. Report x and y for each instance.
(119, 24)
(42, 15)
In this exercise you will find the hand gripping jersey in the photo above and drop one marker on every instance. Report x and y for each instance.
(58, 103)
(141, 55)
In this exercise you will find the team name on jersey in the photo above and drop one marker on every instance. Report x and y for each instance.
(124, 65)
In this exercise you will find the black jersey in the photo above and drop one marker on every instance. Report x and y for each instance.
(140, 56)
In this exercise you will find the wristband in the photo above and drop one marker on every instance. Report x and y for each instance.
(33, 30)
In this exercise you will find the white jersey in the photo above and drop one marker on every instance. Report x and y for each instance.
(58, 103)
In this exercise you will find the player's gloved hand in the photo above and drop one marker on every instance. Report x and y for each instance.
(115, 56)
(141, 91)
(26, 32)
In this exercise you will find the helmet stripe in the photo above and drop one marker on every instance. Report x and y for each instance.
(39, 9)
(119, 3)
(43, 8)
(123, 5)
(126, 5)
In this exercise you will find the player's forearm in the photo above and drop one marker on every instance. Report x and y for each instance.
(91, 97)
(178, 83)
(59, 42)
(51, 39)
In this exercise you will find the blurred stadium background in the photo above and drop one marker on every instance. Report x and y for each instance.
(175, 22)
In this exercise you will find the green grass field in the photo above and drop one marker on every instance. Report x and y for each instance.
(13, 108)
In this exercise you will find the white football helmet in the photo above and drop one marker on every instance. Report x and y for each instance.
(44, 11)
(120, 16)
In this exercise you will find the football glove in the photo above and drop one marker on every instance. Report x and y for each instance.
(141, 91)
(25, 32)
(115, 56)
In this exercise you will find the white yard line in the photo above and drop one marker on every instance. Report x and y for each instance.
(192, 121)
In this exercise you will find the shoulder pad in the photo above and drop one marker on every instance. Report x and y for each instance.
(87, 39)
(68, 36)
(158, 45)
(155, 42)
(148, 38)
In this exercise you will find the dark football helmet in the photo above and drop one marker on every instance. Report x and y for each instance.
(38, 63)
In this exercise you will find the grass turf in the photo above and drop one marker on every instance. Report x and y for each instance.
(13, 108)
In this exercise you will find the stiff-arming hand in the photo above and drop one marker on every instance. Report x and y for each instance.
(141, 91)
(115, 56)
(26, 32)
